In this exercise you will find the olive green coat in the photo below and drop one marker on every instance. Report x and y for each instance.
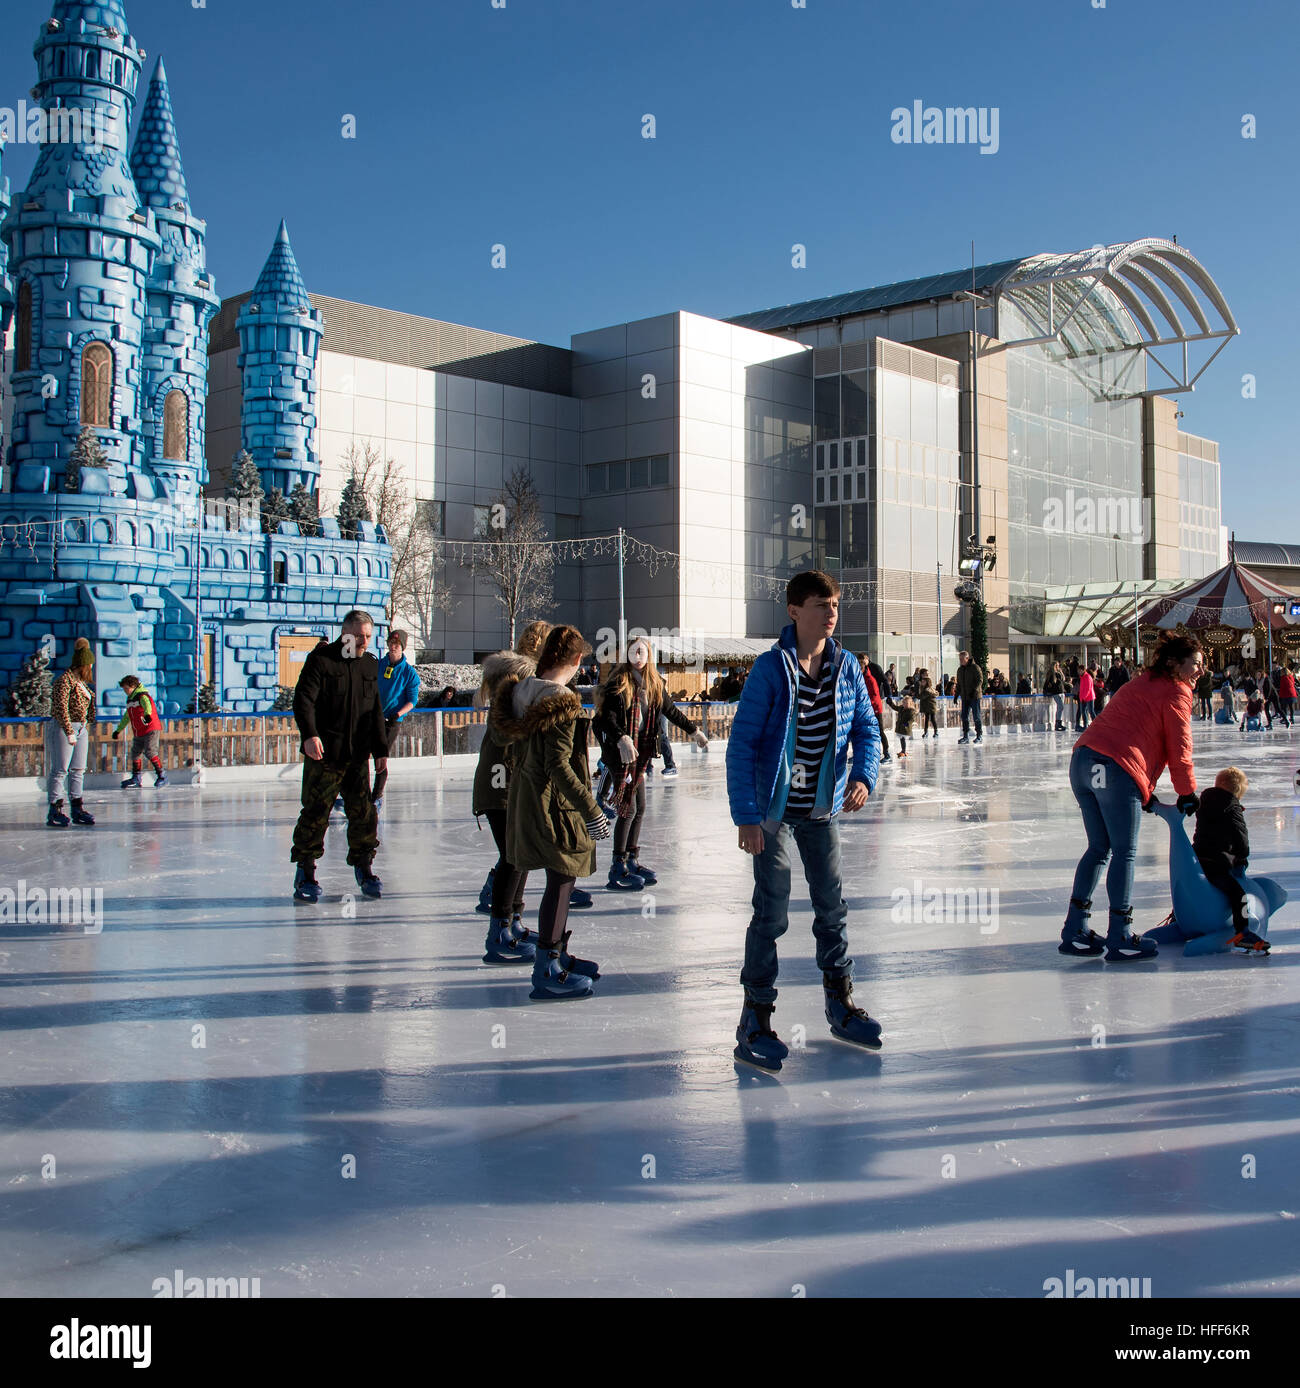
(550, 801)
(495, 758)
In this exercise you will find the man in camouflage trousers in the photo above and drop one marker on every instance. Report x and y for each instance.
(338, 711)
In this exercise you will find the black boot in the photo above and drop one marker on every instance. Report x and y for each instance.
(1076, 937)
(1121, 944)
(848, 1022)
(56, 819)
(79, 815)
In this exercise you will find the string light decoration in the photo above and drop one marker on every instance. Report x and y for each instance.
(652, 558)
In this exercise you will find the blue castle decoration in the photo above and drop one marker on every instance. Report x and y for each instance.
(103, 276)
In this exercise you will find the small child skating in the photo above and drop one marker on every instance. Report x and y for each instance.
(1222, 843)
(142, 714)
(904, 720)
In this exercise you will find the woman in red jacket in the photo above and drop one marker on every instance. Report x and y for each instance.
(1145, 727)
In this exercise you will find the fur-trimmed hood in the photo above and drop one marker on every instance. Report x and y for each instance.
(504, 665)
(524, 707)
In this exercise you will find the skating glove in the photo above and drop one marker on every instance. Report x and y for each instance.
(598, 828)
(1188, 804)
(700, 740)
(626, 748)
(1150, 806)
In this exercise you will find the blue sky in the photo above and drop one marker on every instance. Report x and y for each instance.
(522, 126)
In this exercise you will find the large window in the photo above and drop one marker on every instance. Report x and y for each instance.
(631, 474)
(433, 516)
(23, 339)
(176, 425)
(96, 385)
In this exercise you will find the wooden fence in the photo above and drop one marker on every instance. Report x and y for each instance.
(271, 739)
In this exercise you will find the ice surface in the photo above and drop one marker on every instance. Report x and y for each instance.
(612, 1146)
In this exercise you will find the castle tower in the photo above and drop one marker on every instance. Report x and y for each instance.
(279, 339)
(179, 302)
(81, 248)
(6, 289)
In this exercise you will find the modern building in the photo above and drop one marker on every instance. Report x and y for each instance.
(837, 431)
(105, 300)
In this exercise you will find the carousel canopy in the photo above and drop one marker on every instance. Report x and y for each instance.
(1233, 596)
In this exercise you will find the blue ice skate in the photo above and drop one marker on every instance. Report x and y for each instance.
(756, 1042)
(370, 885)
(848, 1022)
(305, 885)
(501, 947)
(552, 982)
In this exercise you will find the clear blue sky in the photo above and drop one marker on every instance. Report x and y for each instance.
(522, 126)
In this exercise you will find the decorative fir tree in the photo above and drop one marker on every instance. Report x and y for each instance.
(274, 510)
(979, 636)
(30, 695)
(245, 484)
(283, 699)
(302, 508)
(353, 506)
(207, 699)
(86, 452)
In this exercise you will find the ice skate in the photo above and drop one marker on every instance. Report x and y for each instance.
(622, 878)
(552, 982)
(756, 1042)
(80, 815)
(159, 778)
(56, 819)
(133, 782)
(484, 907)
(520, 932)
(1122, 945)
(848, 1022)
(584, 968)
(370, 885)
(580, 900)
(1077, 939)
(501, 947)
(635, 867)
(305, 885)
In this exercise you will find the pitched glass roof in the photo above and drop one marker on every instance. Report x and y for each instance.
(882, 296)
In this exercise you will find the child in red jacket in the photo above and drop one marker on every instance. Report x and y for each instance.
(142, 714)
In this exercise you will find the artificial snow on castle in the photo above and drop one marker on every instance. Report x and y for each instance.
(103, 278)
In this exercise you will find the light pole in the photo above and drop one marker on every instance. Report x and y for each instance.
(977, 301)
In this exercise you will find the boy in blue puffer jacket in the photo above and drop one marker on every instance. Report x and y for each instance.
(787, 773)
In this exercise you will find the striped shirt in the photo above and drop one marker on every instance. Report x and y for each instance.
(815, 716)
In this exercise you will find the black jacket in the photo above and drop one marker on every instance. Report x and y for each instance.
(1116, 677)
(970, 680)
(337, 700)
(612, 720)
(1054, 684)
(1220, 831)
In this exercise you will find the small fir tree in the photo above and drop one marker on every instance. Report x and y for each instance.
(29, 696)
(303, 509)
(245, 480)
(283, 699)
(274, 510)
(207, 699)
(353, 506)
(86, 452)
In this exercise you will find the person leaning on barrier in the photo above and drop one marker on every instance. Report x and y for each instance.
(339, 714)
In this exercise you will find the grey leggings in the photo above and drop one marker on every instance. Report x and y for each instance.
(65, 759)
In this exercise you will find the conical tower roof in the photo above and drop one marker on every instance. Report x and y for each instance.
(156, 153)
(280, 279)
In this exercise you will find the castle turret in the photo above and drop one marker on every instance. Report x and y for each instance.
(81, 248)
(279, 340)
(180, 300)
(6, 289)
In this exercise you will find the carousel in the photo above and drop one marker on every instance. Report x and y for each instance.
(1234, 612)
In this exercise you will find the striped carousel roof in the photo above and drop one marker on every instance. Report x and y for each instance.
(1233, 596)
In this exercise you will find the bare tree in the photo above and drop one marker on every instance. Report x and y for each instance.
(418, 577)
(512, 552)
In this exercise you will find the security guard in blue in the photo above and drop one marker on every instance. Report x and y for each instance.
(399, 691)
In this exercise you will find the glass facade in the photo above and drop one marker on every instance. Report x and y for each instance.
(1074, 467)
(1198, 498)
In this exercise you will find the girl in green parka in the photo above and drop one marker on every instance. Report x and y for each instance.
(552, 819)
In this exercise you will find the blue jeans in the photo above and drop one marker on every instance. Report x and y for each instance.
(818, 842)
(969, 706)
(1059, 701)
(1111, 805)
(665, 744)
(1085, 713)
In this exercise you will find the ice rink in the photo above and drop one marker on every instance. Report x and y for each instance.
(343, 1100)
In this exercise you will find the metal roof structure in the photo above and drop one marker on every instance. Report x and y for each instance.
(1146, 298)
(1261, 552)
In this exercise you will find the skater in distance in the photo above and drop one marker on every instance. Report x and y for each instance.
(67, 739)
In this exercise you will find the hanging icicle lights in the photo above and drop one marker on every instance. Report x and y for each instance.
(647, 556)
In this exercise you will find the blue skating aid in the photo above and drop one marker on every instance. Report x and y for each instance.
(1202, 917)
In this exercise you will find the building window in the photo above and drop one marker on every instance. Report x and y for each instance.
(482, 521)
(23, 341)
(281, 572)
(631, 474)
(96, 385)
(433, 516)
(176, 425)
